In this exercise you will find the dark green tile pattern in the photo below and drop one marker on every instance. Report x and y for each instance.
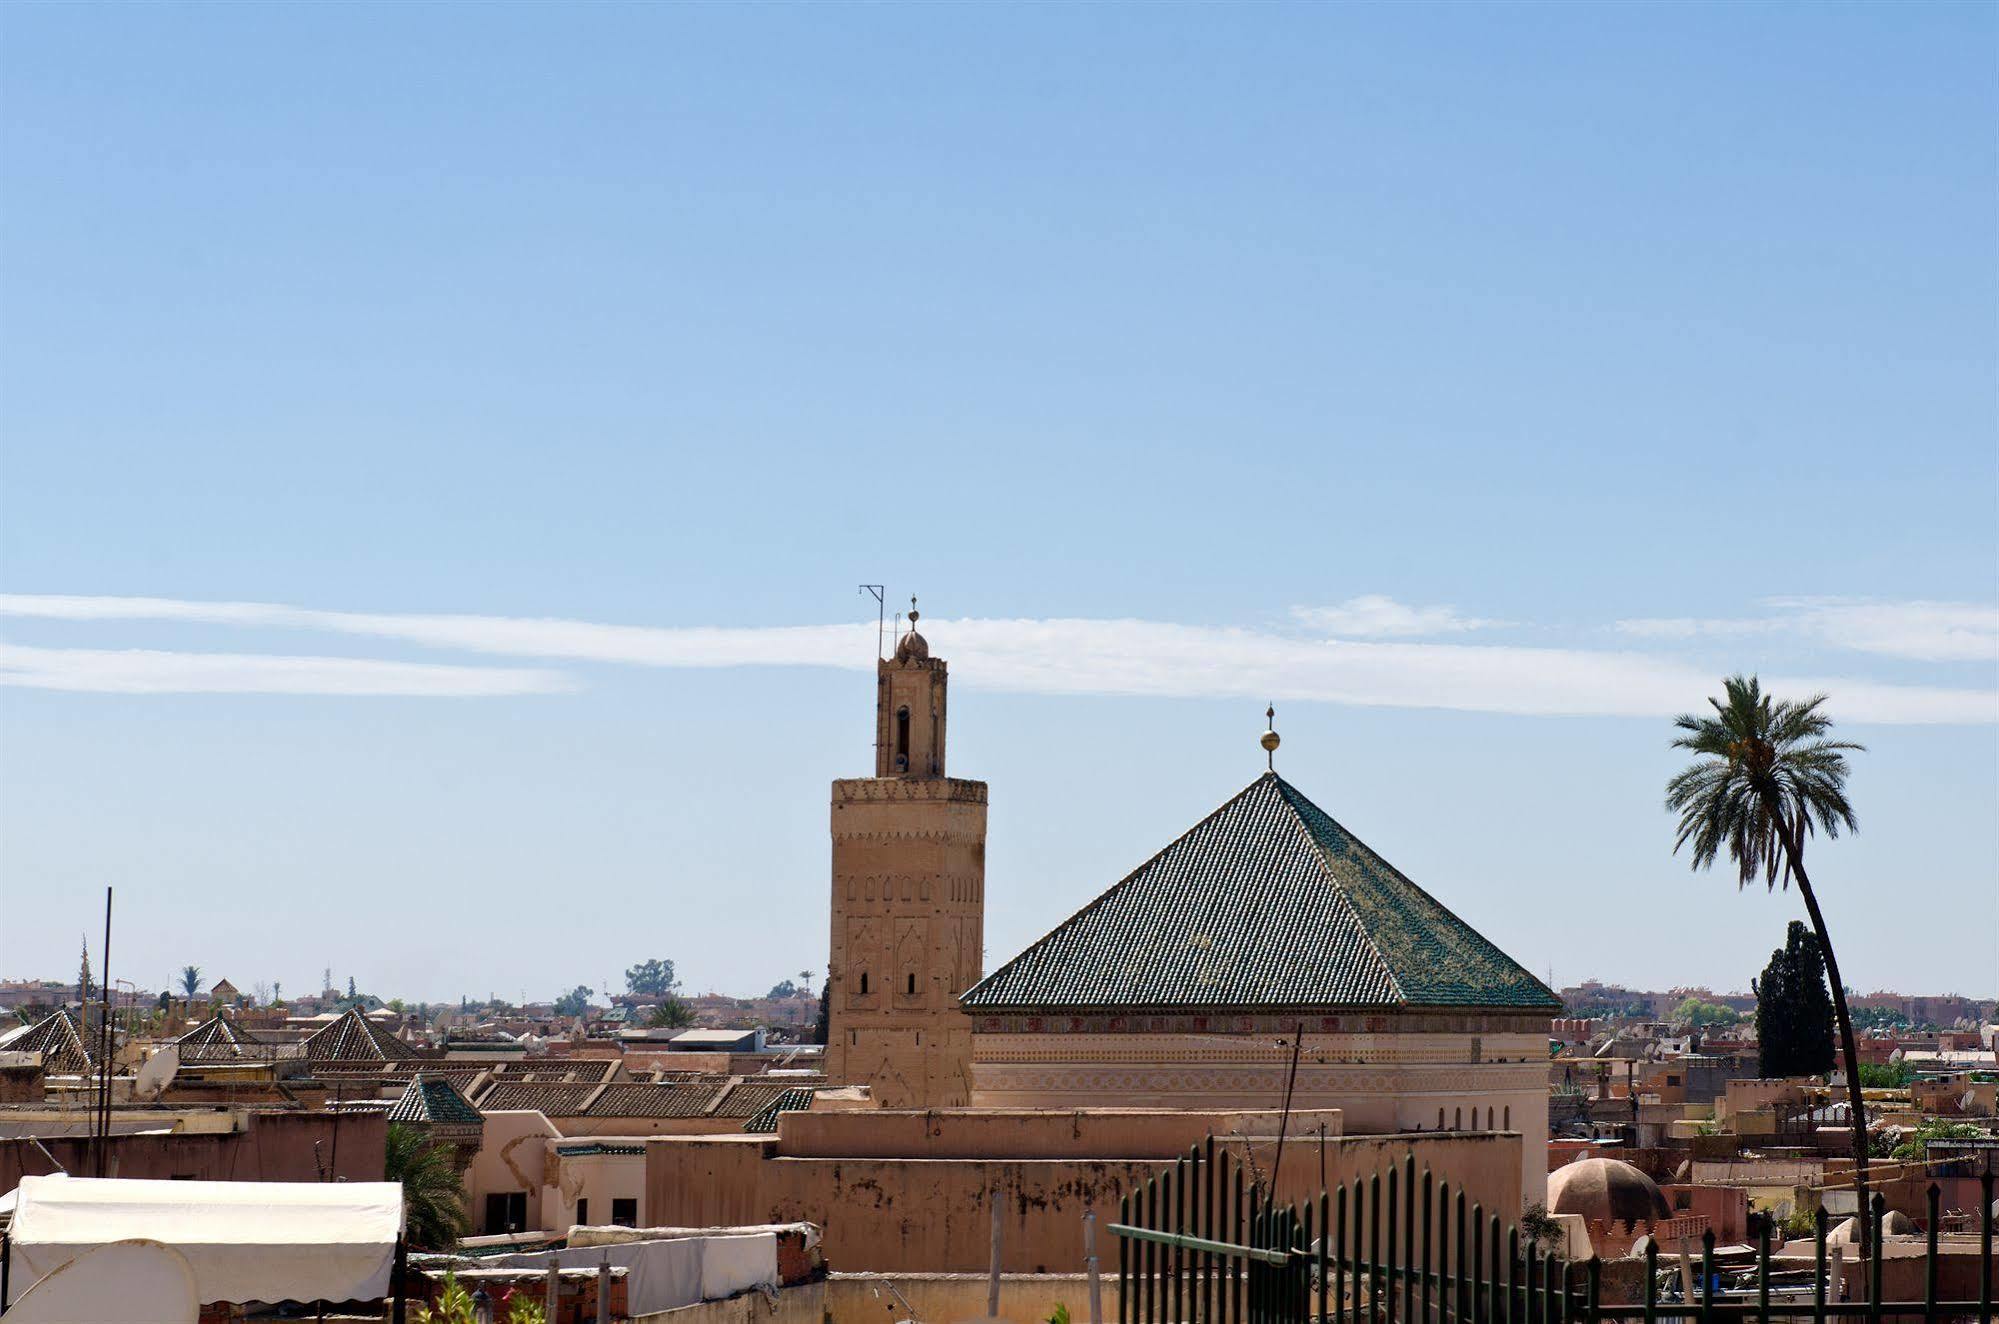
(1266, 903)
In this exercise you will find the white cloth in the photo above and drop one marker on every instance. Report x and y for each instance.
(246, 1241)
(735, 1264)
(668, 1274)
(126, 1282)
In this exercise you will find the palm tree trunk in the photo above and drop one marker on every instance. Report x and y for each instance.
(1846, 1044)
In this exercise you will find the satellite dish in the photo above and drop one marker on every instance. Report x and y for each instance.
(157, 1074)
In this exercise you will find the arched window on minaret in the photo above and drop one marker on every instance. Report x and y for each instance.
(902, 739)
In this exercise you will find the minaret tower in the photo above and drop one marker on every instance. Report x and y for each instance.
(909, 892)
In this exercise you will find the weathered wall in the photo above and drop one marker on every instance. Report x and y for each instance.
(908, 934)
(1386, 1074)
(599, 1178)
(919, 1212)
(266, 1146)
(514, 1155)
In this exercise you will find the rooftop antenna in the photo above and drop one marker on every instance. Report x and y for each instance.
(1270, 740)
(881, 613)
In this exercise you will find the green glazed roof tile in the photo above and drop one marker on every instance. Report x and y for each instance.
(1266, 903)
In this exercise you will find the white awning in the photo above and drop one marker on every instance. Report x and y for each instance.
(247, 1241)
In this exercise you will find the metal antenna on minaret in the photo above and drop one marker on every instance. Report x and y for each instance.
(881, 614)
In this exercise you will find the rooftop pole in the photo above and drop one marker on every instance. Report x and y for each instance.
(105, 1039)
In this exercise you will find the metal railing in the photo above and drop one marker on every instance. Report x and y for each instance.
(1203, 1243)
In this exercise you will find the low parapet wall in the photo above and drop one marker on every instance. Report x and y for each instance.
(1001, 1133)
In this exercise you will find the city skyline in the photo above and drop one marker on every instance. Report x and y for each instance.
(437, 460)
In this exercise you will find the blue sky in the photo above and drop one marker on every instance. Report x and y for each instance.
(1480, 383)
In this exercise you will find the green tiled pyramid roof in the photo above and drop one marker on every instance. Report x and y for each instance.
(1265, 903)
(434, 1101)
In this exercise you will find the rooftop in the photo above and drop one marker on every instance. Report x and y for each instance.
(1267, 903)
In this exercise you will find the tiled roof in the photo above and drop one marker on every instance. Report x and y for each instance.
(549, 1100)
(218, 1037)
(1265, 903)
(765, 1121)
(354, 1038)
(655, 1100)
(748, 1098)
(430, 1100)
(59, 1040)
(560, 1071)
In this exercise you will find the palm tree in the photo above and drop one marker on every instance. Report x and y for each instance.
(190, 980)
(433, 1195)
(1766, 777)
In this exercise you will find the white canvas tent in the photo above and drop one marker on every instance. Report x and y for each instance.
(246, 1241)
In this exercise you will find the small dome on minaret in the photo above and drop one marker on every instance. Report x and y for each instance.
(913, 647)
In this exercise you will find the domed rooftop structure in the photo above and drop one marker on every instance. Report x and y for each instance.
(1606, 1190)
(912, 647)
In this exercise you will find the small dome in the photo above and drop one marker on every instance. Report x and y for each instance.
(912, 648)
(1895, 1223)
(1605, 1189)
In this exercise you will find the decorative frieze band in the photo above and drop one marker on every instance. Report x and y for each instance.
(901, 789)
(1226, 1022)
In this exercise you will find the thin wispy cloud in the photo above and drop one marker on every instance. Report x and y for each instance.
(1918, 631)
(1375, 616)
(1077, 656)
(150, 671)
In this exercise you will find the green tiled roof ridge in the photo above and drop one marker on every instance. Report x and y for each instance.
(1321, 826)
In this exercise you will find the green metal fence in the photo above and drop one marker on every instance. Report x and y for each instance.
(1202, 1243)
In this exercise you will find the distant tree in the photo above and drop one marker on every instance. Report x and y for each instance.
(823, 1025)
(1695, 1012)
(1886, 1075)
(433, 1195)
(654, 978)
(350, 988)
(260, 993)
(277, 992)
(573, 1003)
(190, 980)
(787, 989)
(85, 985)
(165, 1000)
(1936, 1128)
(1765, 777)
(1794, 1021)
(1879, 1018)
(670, 1014)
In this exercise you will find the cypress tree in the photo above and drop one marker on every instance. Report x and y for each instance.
(1794, 1009)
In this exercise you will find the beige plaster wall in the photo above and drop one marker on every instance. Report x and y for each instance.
(513, 1156)
(600, 1179)
(930, 1210)
(1453, 1073)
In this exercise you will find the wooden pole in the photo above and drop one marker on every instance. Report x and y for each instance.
(104, 1036)
(552, 1297)
(604, 1291)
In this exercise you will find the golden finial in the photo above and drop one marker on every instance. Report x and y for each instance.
(1270, 739)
